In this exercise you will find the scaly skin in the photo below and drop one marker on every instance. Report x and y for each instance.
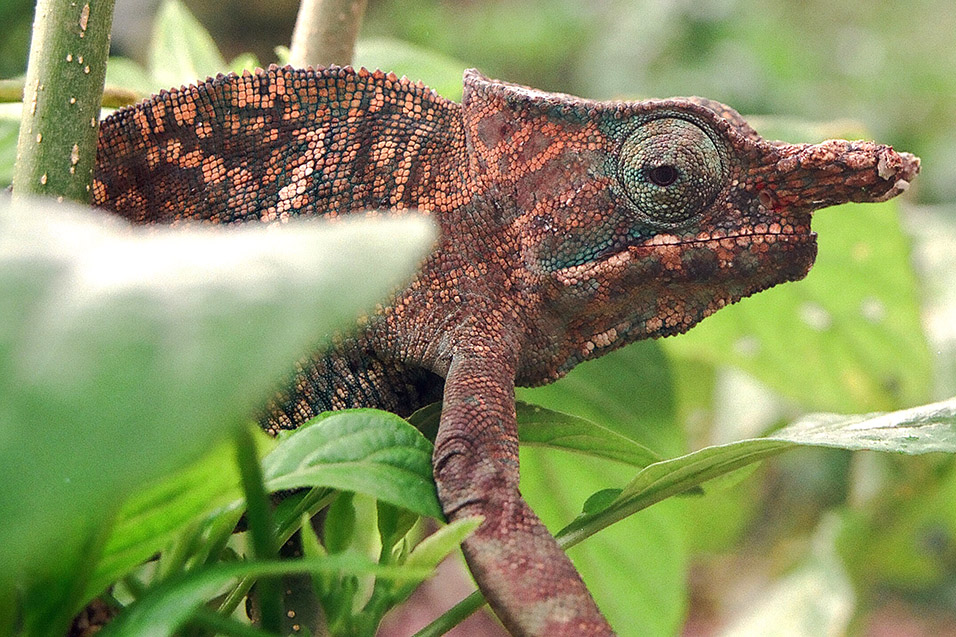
(568, 228)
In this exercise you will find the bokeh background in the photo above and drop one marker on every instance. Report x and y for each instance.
(885, 68)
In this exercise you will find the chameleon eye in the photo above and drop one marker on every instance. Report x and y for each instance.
(671, 170)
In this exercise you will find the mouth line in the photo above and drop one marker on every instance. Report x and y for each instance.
(671, 240)
(615, 253)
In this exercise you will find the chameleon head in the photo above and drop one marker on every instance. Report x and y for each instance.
(639, 219)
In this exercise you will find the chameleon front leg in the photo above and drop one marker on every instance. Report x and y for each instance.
(526, 577)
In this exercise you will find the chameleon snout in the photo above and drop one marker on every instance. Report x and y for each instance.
(837, 171)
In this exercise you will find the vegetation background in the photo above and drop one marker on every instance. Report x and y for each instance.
(866, 542)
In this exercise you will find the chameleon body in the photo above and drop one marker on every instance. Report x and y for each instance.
(568, 228)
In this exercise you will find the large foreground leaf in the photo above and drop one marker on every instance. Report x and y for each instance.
(125, 353)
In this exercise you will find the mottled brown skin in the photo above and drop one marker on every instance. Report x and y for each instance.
(568, 228)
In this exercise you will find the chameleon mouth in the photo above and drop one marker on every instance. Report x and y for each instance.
(740, 237)
(701, 258)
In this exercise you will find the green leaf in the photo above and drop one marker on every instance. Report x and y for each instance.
(363, 450)
(630, 391)
(924, 429)
(394, 523)
(439, 72)
(636, 569)
(126, 354)
(127, 74)
(339, 524)
(437, 546)
(166, 608)
(244, 62)
(539, 426)
(181, 51)
(543, 427)
(429, 553)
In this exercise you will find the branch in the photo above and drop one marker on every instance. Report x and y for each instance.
(325, 32)
(113, 96)
(57, 144)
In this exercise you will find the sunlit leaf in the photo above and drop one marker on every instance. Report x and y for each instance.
(362, 450)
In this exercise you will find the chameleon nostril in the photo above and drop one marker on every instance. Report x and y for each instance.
(765, 198)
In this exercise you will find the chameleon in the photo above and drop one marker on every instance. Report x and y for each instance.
(567, 228)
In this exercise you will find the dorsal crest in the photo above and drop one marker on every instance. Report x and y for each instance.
(276, 143)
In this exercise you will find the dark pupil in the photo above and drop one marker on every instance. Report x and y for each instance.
(662, 175)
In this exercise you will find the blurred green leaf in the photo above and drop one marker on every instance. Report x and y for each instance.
(363, 450)
(167, 607)
(151, 518)
(902, 539)
(127, 74)
(244, 62)
(181, 51)
(127, 353)
(924, 429)
(437, 71)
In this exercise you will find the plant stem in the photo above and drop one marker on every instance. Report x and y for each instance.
(261, 530)
(113, 96)
(453, 616)
(325, 32)
(57, 144)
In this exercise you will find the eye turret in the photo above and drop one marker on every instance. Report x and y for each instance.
(671, 170)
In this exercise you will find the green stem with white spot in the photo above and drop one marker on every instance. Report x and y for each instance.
(56, 149)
